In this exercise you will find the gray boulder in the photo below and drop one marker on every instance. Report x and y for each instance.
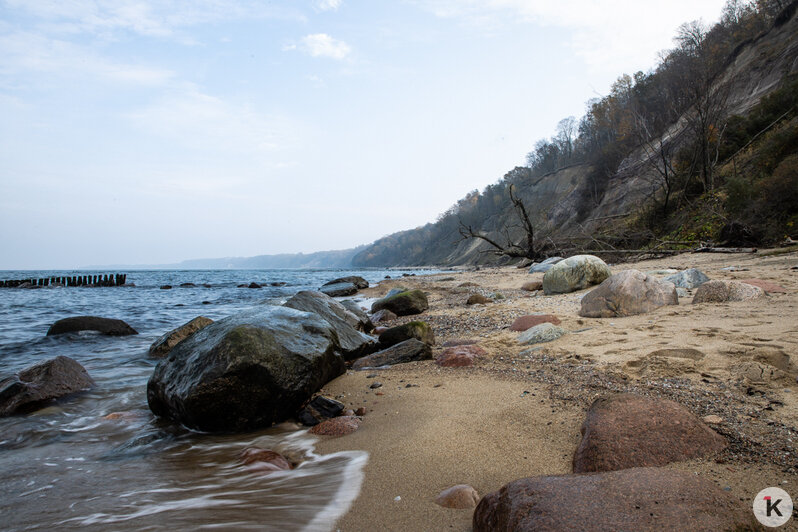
(627, 293)
(246, 371)
(575, 273)
(545, 332)
(407, 351)
(45, 381)
(393, 291)
(161, 347)
(353, 342)
(723, 291)
(403, 303)
(382, 315)
(339, 289)
(543, 267)
(691, 278)
(107, 326)
(364, 319)
(356, 280)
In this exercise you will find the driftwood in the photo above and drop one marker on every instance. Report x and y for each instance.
(708, 249)
(641, 251)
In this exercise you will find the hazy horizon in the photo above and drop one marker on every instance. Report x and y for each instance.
(142, 132)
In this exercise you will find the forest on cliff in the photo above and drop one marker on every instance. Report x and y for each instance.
(701, 148)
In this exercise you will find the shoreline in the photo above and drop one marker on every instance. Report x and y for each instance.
(431, 428)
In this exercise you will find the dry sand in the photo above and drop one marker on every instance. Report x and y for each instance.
(518, 412)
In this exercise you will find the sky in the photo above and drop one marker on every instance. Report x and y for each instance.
(153, 131)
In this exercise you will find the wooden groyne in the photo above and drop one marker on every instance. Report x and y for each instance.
(111, 279)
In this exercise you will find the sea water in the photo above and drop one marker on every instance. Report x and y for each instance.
(68, 466)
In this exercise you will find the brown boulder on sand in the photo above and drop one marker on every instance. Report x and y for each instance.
(459, 356)
(633, 499)
(527, 322)
(337, 426)
(627, 430)
(627, 293)
(532, 286)
(460, 497)
(477, 299)
(767, 286)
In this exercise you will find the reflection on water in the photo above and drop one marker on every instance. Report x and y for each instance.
(101, 461)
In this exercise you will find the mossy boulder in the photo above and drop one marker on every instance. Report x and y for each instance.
(246, 371)
(420, 330)
(575, 273)
(477, 299)
(161, 347)
(404, 303)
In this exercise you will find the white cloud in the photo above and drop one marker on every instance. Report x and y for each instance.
(328, 5)
(612, 34)
(152, 18)
(322, 45)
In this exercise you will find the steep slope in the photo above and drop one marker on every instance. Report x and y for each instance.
(573, 202)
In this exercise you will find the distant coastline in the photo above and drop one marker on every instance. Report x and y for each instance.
(341, 258)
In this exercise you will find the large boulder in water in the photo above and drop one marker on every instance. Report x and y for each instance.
(37, 384)
(356, 280)
(246, 371)
(161, 347)
(627, 293)
(339, 289)
(404, 303)
(575, 273)
(648, 498)
(354, 344)
(108, 326)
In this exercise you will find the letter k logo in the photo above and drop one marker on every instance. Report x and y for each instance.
(772, 506)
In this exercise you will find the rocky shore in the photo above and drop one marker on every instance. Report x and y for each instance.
(519, 411)
(653, 395)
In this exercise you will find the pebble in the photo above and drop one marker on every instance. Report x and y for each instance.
(375, 385)
(713, 419)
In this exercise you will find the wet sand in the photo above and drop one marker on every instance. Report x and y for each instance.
(518, 412)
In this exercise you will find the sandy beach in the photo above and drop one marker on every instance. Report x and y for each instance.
(518, 411)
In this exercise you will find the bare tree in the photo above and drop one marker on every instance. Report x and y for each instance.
(708, 94)
(525, 248)
(567, 128)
